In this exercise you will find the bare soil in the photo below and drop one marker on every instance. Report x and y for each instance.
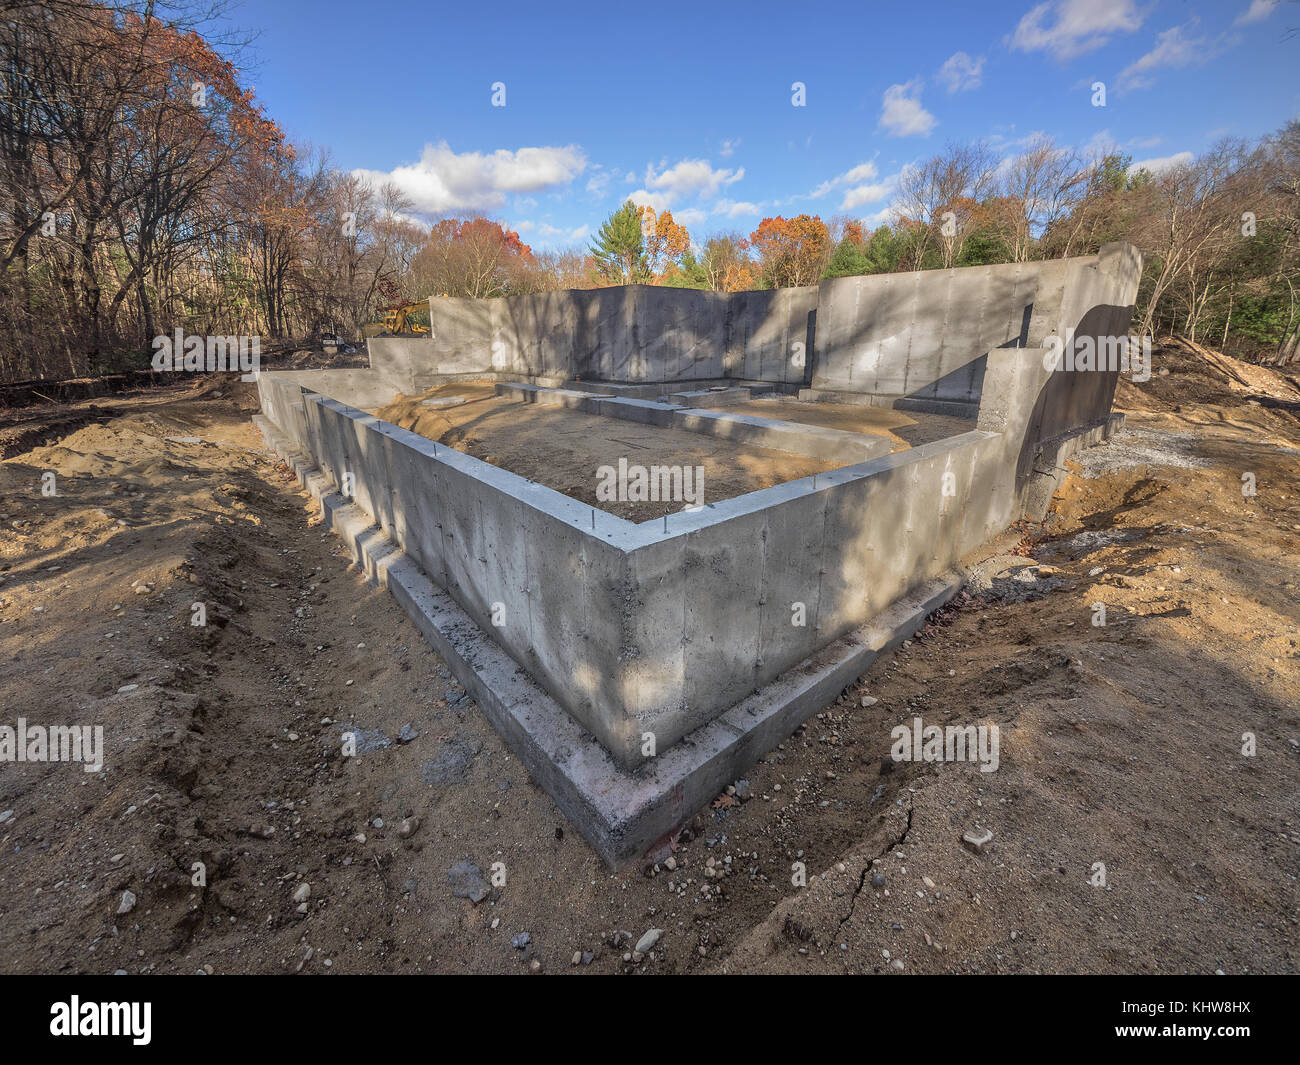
(563, 449)
(1121, 744)
(903, 428)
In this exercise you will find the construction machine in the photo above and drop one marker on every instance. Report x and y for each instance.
(401, 318)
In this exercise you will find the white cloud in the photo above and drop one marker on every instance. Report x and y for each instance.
(1173, 49)
(728, 148)
(960, 72)
(402, 216)
(444, 180)
(902, 114)
(1258, 11)
(860, 173)
(690, 177)
(856, 197)
(1100, 143)
(643, 198)
(690, 217)
(552, 234)
(736, 209)
(885, 216)
(1161, 163)
(1068, 28)
(571, 235)
(857, 185)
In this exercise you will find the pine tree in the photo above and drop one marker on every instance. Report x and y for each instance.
(848, 260)
(619, 247)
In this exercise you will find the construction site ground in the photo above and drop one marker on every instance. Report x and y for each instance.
(1130, 833)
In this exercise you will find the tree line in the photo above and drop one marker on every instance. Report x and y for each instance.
(143, 189)
(1220, 234)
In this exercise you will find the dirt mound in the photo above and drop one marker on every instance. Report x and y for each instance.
(1184, 372)
(410, 412)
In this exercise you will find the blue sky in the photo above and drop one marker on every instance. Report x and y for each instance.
(689, 106)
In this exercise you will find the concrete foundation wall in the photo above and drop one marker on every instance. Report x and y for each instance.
(924, 338)
(660, 627)
(771, 335)
(663, 626)
(399, 359)
(511, 553)
(717, 602)
(282, 402)
(919, 339)
(920, 335)
(635, 334)
(1095, 308)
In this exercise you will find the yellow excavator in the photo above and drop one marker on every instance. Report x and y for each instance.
(401, 319)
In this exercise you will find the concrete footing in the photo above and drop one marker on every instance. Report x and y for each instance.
(951, 408)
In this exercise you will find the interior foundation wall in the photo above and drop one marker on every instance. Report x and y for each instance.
(892, 339)
(635, 334)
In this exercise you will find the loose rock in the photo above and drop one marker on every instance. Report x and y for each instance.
(466, 880)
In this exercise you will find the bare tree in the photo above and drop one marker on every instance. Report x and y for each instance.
(1040, 187)
(1194, 209)
(943, 193)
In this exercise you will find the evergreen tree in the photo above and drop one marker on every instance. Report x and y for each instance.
(884, 250)
(619, 247)
(848, 260)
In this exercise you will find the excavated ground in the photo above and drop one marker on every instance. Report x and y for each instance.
(1121, 745)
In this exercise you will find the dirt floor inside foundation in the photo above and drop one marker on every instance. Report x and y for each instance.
(903, 428)
(563, 449)
(1122, 744)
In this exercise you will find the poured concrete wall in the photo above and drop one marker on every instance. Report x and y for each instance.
(529, 565)
(662, 626)
(397, 359)
(895, 339)
(927, 335)
(659, 627)
(717, 601)
(282, 399)
(1097, 305)
(921, 335)
(771, 335)
(637, 334)
(654, 627)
